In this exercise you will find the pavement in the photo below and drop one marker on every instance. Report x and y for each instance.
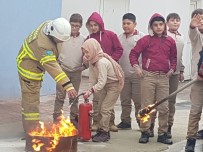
(11, 130)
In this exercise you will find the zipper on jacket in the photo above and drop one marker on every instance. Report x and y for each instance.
(147, 63)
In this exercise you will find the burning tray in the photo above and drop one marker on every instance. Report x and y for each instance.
(44, 144)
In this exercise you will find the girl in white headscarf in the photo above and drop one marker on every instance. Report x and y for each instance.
(107, 78)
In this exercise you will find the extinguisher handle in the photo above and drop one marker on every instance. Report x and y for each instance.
(86, 100)
(81, 94)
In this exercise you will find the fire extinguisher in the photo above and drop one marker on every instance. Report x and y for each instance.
(84, 120)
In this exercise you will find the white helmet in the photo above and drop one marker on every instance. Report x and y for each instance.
(59, 28)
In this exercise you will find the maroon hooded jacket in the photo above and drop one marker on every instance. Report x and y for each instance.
(107, 39)
(158, 53)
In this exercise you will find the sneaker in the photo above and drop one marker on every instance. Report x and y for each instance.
(169, 132)
(102, 136)
(151, 133)
(98, 132)
(190, 145)
(144, 138)
(113, 128)
(138, 122)
(94, 126)
(56, 117)
(163, 139)
(124, 125)
(151, 130)
(200, 134)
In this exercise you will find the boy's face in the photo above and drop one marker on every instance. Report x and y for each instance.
(173, 24)
(128, 26)
(75, 27)
(158, 27)
(94, 27)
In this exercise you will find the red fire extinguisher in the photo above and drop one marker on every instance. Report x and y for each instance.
(84, 120)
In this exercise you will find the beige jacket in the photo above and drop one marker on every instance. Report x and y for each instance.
(101, 73)
(179, 45)
(196, 39)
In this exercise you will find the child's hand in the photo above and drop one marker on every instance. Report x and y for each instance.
(199, 78)
(138, 71)
(170, 72)
(181, 77)
(87, 94)
(195, 21)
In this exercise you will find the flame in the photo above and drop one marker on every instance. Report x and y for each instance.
(64, 128)
(146, 117)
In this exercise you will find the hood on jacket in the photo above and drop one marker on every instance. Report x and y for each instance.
(96, 18)
(152, 19)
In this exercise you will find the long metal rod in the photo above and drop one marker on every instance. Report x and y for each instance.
(174, 93)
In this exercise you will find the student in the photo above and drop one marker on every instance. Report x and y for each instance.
(107, 78)
(131, 89)
(70, 60)
(159, 58)
(196, 95)
(110, 44)
(173, 24)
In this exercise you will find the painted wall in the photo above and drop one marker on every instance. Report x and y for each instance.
(18, 19)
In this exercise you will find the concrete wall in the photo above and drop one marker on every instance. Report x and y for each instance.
(18, 19)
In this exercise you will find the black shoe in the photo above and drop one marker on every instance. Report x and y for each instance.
(200, 134)
(144, 138)
(57, 117)
(102, 136)
(190, 145)
(151, 130)
(124, 125)
(74, 122)
(138, 122)
(151, 133)
(169, 132)
(98, 132)
(163, 139)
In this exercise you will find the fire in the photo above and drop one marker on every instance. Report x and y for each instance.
(64, 128)
(146, 116)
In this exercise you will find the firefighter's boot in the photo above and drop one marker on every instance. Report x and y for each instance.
(151, 130)
(190, 145)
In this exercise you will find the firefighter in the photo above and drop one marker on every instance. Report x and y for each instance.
(39, 54)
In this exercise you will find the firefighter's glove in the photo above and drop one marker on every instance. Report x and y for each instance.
(170, 72)
(71, 93)
(88, 93)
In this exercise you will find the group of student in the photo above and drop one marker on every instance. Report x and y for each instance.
(138, 67)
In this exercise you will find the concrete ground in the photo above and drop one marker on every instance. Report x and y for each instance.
(11, 130)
